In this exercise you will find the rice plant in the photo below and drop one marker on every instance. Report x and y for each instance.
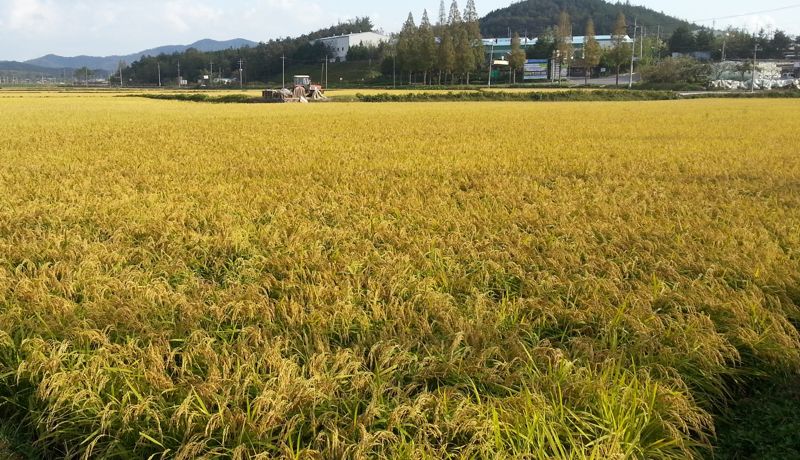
(399, 281)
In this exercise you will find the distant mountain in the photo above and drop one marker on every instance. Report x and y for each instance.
(534, 16)
(13, 66)
(21, 70)
(110, 63)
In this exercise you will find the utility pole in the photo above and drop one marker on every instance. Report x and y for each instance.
(326, 71)
(724, 42)
(180, 79)
(241, 70)
(755, 68)
(159, 74)
(211, 75)
(283, 70)
(658, 43)
(121, 82)
(641, 42)
(633, 52)
(491, 61)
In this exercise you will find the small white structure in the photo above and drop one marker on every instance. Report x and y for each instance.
(340, 44)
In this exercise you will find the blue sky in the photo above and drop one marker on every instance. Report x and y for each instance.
(31, 28)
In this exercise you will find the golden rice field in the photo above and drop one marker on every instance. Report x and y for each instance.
(397, 281)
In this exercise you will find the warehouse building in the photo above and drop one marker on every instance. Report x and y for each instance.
(502, 46)
(341, 44)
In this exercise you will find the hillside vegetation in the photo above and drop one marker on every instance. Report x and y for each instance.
(396, 281)
(535, 16)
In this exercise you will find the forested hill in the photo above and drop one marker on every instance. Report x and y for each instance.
(534, 16)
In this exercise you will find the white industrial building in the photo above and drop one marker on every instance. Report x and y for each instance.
(502, 46)
(340, 44)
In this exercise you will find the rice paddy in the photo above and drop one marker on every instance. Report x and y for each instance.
(398, 281)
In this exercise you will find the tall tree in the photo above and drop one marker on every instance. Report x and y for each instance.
(592, 52)
(564, 39)
(620, 53)
(407, 55)
(465, 58)
(704, 40)
(780, 44)
(470, 12)
(441, 22)
(427, 46)
(472, 23)
(454, 18)
(517, 59)
(442, 15)
(446, 56)
(682, 41)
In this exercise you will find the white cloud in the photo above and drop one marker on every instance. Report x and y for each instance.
(31, 16)
(185, 15)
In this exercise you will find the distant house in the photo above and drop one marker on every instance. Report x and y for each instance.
(341, 44)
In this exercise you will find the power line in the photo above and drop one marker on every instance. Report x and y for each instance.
(797, 5)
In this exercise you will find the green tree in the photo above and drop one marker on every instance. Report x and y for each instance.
(544, 47)
(465, 58)
(427, 46)
(620, 52)
(446, 55)
(454, 18)
(652, 48)
(84, 73)
(472, 23)
(704, 40)
(592, 52)
(682, 41)
(677, 70)
(441, 22)
(564, 47)
(517, 58)
(780, 44)
(738, 44)
(407, 55)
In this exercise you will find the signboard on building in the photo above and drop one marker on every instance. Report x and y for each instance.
(535, 69)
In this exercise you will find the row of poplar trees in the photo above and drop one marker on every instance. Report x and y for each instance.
(451, 48)
(592, 53)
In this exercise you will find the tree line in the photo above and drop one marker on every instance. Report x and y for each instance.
(736, 43)
(452, 49)
(556, 43)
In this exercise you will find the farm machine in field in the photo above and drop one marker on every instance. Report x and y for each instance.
(303, 91)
